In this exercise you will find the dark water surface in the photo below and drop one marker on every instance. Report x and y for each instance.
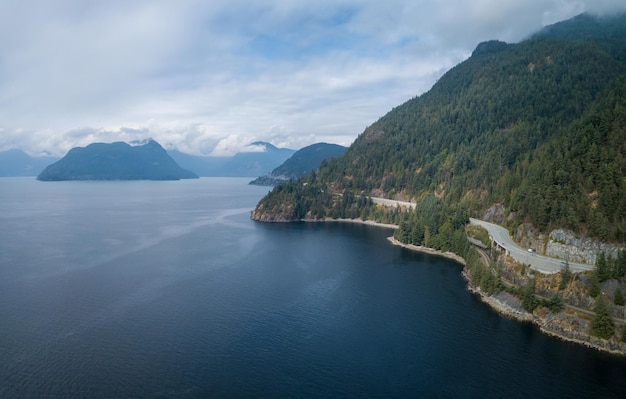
(168, 290)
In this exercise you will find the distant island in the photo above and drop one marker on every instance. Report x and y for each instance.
(116, 161)
(304, 160)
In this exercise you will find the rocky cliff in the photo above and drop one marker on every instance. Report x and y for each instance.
(563, 244)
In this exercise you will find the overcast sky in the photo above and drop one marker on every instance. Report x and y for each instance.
(209, 77)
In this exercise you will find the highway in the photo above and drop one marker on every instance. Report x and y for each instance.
(500, 236)
(542, 263)
(393, 203)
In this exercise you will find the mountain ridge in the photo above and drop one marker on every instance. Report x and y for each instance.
(304, 160)
(242, 164)
(116, 161)
(490, 131)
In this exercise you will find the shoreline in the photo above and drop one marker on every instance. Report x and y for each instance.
(427, 250)
(503, 309)
(354, 221)
(499, 307)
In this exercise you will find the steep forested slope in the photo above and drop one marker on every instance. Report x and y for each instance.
(302, 161)
(537, 126)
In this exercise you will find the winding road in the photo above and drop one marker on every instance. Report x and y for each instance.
(393, 203)
(544, 264)
(500, 236)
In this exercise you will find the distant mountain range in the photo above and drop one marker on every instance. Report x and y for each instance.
(18, 163)
(243, 164)
(116, 161)
(302, 161)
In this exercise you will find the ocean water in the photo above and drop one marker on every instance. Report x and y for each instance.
(169, 290)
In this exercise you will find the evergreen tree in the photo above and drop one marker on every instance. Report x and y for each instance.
(529, 300)
(618, 297)
(603, 325)
(602, 267)
(555, 304)
(550, 149)
(487, 281)
(566, 275)
(594, 285)
(620, 264)
(417, 234)
(611, 265)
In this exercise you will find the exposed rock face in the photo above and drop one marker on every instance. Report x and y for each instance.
(495, 214)
(528, 236)
(564, 244)
(284, 214)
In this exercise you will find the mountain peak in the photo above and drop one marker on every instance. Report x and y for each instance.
(263, 144)
(489, 47)
(116, 161)
(535, 126)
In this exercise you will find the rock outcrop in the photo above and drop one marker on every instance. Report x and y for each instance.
(564, 244)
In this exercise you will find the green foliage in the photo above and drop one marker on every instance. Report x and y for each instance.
(555, 303)
(538, 126)
(586, 26)
(618, 297)
(594, 285)
(603, 269)
(481, 275)
(607, 267)
(566, 276)
(603, 325)
(552, 148)
(307, 198)
(478, 233)
(529, 300)
(619, 268)
(304, 160)
(435, 225)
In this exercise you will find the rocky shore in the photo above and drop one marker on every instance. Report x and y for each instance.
(426, 250)
(504, 303)
(566, 325)
(357, 221)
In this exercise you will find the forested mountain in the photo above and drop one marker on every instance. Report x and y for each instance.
(304, 160)
(538, 126)
(116, 161)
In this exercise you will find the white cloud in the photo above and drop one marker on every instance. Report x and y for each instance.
(211, 77)
(233, 144)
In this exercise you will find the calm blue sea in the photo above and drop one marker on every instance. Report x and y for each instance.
(169, 290)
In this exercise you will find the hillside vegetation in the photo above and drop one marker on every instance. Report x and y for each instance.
(304, 160)
(538, 126)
